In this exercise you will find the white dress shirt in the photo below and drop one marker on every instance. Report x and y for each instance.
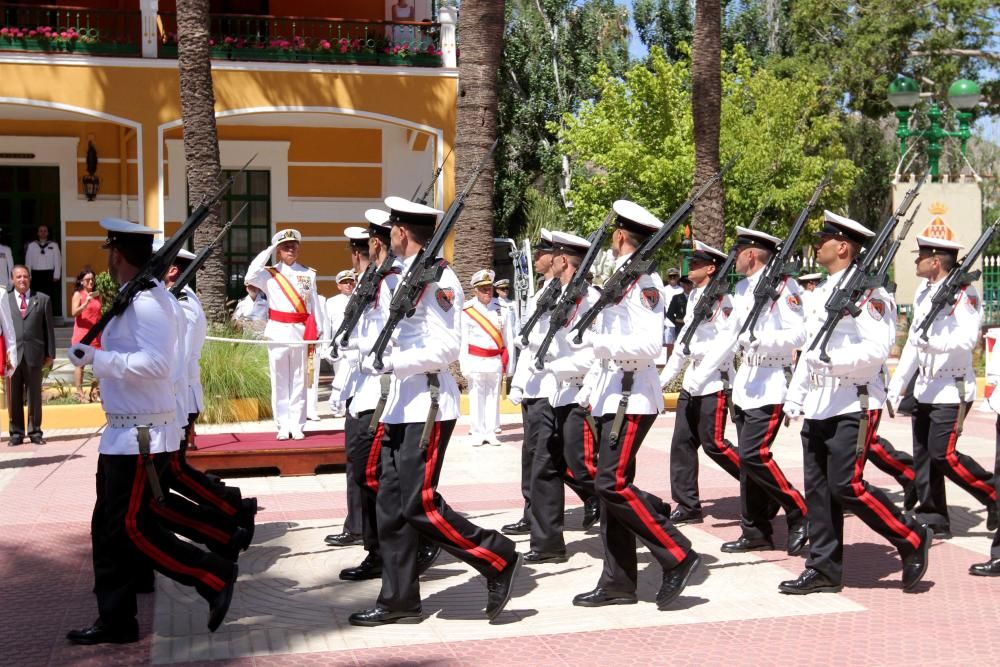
(367, 389)
(197, 331)
(532, 382)
(712, 348)
(44, 257)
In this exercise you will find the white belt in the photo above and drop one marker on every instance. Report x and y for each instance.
(765, 361)
(632, 365)
(837, 382)
(947, 372)
(576, 380)
(131, 421)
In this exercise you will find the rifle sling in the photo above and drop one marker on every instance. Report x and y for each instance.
(385, 382)
(616, 425)
(434, 386)
(142, 436)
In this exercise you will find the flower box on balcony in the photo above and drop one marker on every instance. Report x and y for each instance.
(340, 58)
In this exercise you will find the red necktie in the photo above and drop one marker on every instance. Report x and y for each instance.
(24, 306)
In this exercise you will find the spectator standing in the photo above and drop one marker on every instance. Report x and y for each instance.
(85, 310)
(250, 315)
(31, 317)
(44, 261)
(6, 266)
(336, 306)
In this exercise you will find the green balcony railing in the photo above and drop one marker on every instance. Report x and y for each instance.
(59, 29)
(303, 39)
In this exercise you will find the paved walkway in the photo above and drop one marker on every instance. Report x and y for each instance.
(290, 607)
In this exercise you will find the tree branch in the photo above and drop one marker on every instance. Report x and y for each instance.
(970, 53)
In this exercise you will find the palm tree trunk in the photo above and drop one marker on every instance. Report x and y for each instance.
(481, 26)
(706, 104)
(201, 144)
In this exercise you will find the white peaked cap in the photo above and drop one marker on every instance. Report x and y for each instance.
(286, 235)
(641, 219)
(482, 277)
(356, 233)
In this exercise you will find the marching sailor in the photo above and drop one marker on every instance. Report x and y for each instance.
(135, 367)
(484, 360)
(335, 307)
(293, 308)
(625, 399)
(841, 401)
(703, 405)
(944, 390)
(991, 568)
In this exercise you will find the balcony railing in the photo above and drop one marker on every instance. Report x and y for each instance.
(52, 29)
(304, 39)
(57, 29)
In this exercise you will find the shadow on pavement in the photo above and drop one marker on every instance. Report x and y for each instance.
(34, 461)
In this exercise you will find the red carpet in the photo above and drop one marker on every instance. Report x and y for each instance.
(245, 442)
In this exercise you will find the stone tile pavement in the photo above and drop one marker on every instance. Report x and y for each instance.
(290, 608)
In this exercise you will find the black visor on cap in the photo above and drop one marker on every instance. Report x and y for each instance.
(569, 249)
(702, 256)
(119, 239)
(830, 229)
(403, 218)
(378, 231)
(633, 226)
(756, 242)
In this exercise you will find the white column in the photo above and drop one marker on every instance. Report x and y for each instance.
(448, 17)
(150, 36)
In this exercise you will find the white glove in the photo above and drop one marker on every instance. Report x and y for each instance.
(81, 355)
(573, 345)
(815, 364)
(793, 411)
(515, 396)
(925, 346)
(368, 365)
(520, 344)
(892, 399)
(747, 344)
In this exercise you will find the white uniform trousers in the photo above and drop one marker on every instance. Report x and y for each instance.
(312, 395)
(288, 387)
(484, 405)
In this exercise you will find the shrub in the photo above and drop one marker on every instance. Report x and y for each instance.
(233, 371)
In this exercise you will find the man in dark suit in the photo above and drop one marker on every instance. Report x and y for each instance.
(678, 305)
(35, 341)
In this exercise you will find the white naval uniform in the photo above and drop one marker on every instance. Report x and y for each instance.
(484, 373)
(533, 383)
(627, 337)
(287, 363)
(569, 364)
(251, 314)
(711, 349)
(669, 330)
(366, 390)
(182, 393)
(312, 393)
(135, 367)
(951, 340)
(426, 342)
(7, 333)
(858, 349)
(6, 267)
(780, 331)
(197, 331)
(50, 260)
(346, 364)
(993, 379)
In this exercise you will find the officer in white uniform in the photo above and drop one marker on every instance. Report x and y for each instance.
(485, 360)
(8, 352)
(703, 404)
(991, 568)
(531, 388)
(6, 267)
(625, 399)
(136, 369)
(335, 307)
(424, 399)
(758, 394)
(502, 287)
(293, 308)
(944, 390)
(841, 400)
(574, 446)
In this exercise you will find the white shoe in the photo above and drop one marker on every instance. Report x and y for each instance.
(495, 442)
(298, 435)
(283, 435)
(498, 430)
(313, 418)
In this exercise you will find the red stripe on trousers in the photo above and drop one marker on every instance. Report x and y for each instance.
(153, 552)
(952, 457)
(208, 531)
(903, 469)
(430, 509)
(206, 494)
(772, 467)
(588, 450)
(622, 489)
(861, 493)
(720, 431)
(371, 470)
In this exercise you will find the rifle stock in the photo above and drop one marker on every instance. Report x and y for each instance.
(202, 257)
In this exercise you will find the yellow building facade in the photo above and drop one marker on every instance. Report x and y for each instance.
(332, 135)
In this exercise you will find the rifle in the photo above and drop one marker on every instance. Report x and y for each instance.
(768, 288)
(858, 279)
(642, 260)
(545, 302)
(162, 259)
(717, 287)
(203, 256)
(422, 199)
(364, 294)
(426, 267)
(960, 276)
(881, 275)
(575, 290)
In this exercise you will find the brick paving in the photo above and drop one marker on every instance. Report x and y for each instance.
(290, 608)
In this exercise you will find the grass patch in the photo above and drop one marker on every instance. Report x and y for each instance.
(233, 371)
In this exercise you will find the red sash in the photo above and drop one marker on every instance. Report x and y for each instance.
(493, 332)
(301, 314)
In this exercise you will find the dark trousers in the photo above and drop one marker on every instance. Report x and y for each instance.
(198, 487)
(628, 512)
(539, 427)
(701, 420)
(935, 436)
(409, 507)
(363, 450)
(26, 381)
(833, 478)
(995, 548)
(762, 482)
(44, 282)
(579, 446)
(127, 534)
(891, 461)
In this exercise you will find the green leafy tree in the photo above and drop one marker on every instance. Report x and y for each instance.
(552, 48)
(637, 138)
